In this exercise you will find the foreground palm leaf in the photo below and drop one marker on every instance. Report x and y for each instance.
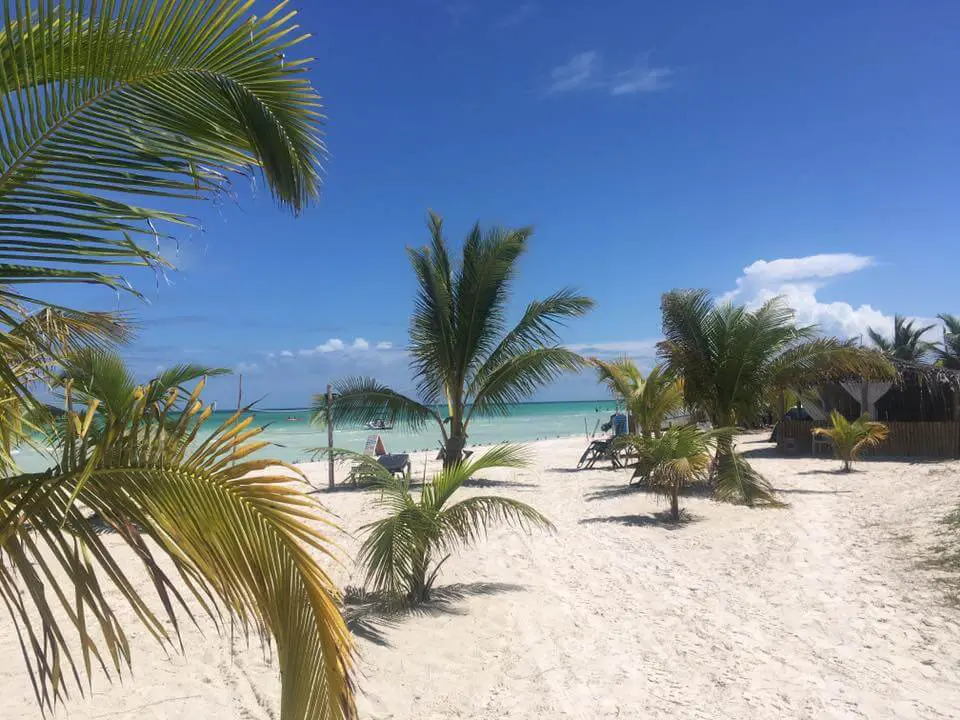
(240, 534)
(464, 357)
(849, 438)
(110, 100)
(650, 400)
(732, 360)
(404, 551)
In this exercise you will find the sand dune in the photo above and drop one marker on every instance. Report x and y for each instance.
(819, 610)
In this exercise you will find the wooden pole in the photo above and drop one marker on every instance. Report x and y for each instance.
(330, 435)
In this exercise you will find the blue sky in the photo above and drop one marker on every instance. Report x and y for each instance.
(652, 145)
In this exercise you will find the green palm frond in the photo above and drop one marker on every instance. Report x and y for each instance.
(738, 482)
(163, 100)
(907, 342)
(649, 400)
(358, 400)
(238, 532)
(402, 551)
(949, 354)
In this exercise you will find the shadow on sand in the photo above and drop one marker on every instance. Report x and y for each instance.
(369, 614)
(660, 519)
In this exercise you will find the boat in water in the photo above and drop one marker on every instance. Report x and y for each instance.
(379, 424)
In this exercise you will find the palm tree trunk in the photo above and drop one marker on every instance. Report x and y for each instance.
(675, 504)
(453, 450)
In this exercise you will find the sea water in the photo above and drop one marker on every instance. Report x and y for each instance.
(293, 438)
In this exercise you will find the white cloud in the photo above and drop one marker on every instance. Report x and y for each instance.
(384, 345)
(641, 79)
(799, 280)
(584, 71)
(579, 73)
(248, 368)
(360, 344)
(643, 352)
(286, 354)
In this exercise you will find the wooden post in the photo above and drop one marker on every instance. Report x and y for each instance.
(865, 398)
(330, 435)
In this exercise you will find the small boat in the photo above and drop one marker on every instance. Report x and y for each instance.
(379, 424)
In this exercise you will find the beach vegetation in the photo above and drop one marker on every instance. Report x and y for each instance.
(907, 341)
(670, 461)
(732, 360)
(851, 437)
(467, 359)
(948, 353)
(111, 111)
(650, 400)
(404, 551)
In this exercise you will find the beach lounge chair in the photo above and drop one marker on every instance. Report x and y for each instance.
(599, 450)
(396, 463)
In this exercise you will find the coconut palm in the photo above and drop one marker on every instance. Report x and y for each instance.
(466, 359)
(404, 551)
(110, 111)
(907, 342)
(948, 354)
(649, 400)
(668, 462)
(732, 360)
(849, 438)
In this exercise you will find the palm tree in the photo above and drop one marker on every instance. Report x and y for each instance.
(464, 357)
(649, 400)
(732, 360)
(404, 551)
(110, 111)
(949, 354)
(670, 461)
(907, 342)
(849, 438)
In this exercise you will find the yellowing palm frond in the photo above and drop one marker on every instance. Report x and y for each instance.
(240, 533)
(849, 438)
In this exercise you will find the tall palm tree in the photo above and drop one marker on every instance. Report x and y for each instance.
(649, 400)
(732, 360)
(466, 360)
(404, 551)
(907, 342)
(110, 111)
(948, 354)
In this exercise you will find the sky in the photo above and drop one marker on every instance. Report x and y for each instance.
(754, 149)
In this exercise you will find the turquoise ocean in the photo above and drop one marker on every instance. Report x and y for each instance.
(292, 436)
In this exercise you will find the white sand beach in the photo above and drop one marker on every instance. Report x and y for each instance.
(819, 610)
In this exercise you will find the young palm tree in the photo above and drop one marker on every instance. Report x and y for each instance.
(949, 354)
(649, 400)
(668, 462)
(849, 438)
(110, 110)
(907, 342)
(732, 360)
(464, 357)
(404, 551)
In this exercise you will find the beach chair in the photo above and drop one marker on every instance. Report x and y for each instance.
(395, 463)
(596, 451)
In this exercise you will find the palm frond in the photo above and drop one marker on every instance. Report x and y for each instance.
(360, 400)
(238, 533)
(518, 377)
(738, 482)
(164, 100)
(465, 523)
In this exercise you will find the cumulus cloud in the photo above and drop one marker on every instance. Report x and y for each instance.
(799, 281)
(336, 346)
(584, 71)
(384, 345)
